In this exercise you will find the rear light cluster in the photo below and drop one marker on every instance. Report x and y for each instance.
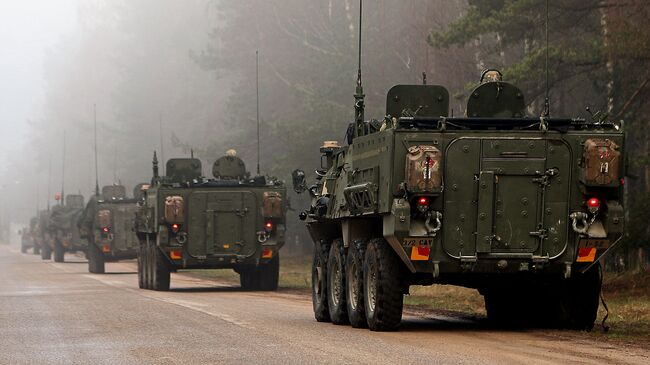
(593, 204)
(422, 203)
(268, 226)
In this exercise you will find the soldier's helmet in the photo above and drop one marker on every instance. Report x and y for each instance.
(491, 75)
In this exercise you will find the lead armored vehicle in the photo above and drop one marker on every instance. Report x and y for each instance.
(521, 208)
(107, 222)
(232, 221)
(62, 227)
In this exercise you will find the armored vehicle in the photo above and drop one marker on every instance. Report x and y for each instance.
(42, 237)
(107, 223)
(233, 221)
(28, 237)
(62, 227)
(520, 208)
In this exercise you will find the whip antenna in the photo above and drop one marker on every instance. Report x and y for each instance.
(359, 96)
(63, 172)
(96, 168)
(162, 150)
(547, 102)
(49, 183)
(257, 96)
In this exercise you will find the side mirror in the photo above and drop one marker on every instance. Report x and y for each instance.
(298, 179)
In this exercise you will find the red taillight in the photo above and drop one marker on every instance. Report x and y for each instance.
(423, 201)
(268, 226)
(105, 229)
(593, 204)
(176, 227)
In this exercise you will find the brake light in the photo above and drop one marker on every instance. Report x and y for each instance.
(267, 253)
(593, 204)
(268, 226)
(176, 254)
(105, 229)
(176, 227)
(423, 204)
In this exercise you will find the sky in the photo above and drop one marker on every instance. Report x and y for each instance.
(28, 28)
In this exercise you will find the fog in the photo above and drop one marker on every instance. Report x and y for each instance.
(175, 76)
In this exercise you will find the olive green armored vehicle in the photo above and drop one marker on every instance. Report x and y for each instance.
(42, 238)
(107, 222)
(232, 221)
(28, 237)
(521, 208)
(63, 230)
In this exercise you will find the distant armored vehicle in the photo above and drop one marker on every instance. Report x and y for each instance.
(42, 238)
(107, 222)
(230, 222)
(27, 237)
(62, 227)
(520, 208)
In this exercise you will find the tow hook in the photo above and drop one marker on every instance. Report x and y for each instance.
(579, 222)
(262, 236)
(433, 229)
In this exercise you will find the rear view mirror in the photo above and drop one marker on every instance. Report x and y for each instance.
(298, 179)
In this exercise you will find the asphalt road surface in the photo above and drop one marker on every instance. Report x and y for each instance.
(58, 313)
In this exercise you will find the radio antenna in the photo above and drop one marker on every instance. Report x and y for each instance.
(359, 96)
(547, 103)
(257, 95)
(162, 149)
(49, 183)
(96, 166)
(63, 172)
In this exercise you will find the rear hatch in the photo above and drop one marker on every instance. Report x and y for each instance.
(124, 237)
(506, 197)
(222, 223)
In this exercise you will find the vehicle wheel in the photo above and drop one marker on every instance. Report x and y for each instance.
(46, 252)
(337, 306)
(59, 252)
(382, 282)
(141, 266)
(161, 273)
(319, 281)
(269, 274)
(580, 300)
(354, 284)
(95, 260)
(249, 278)
(37, 250)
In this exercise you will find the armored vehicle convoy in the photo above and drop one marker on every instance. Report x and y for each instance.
(233, 221)
(107, 223)
(62, 227)
(520, 208)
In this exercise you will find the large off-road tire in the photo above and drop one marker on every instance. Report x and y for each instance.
(95, 259)
(269, 274)
(46, 252)
(382, 282)
(249, 278)
(141, 266)
(336, 303)
(59, 252)
(161, 273)
(319, 281)
(354, 284)
(580, 299)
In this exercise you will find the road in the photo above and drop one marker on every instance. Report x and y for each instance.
(58, 313)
